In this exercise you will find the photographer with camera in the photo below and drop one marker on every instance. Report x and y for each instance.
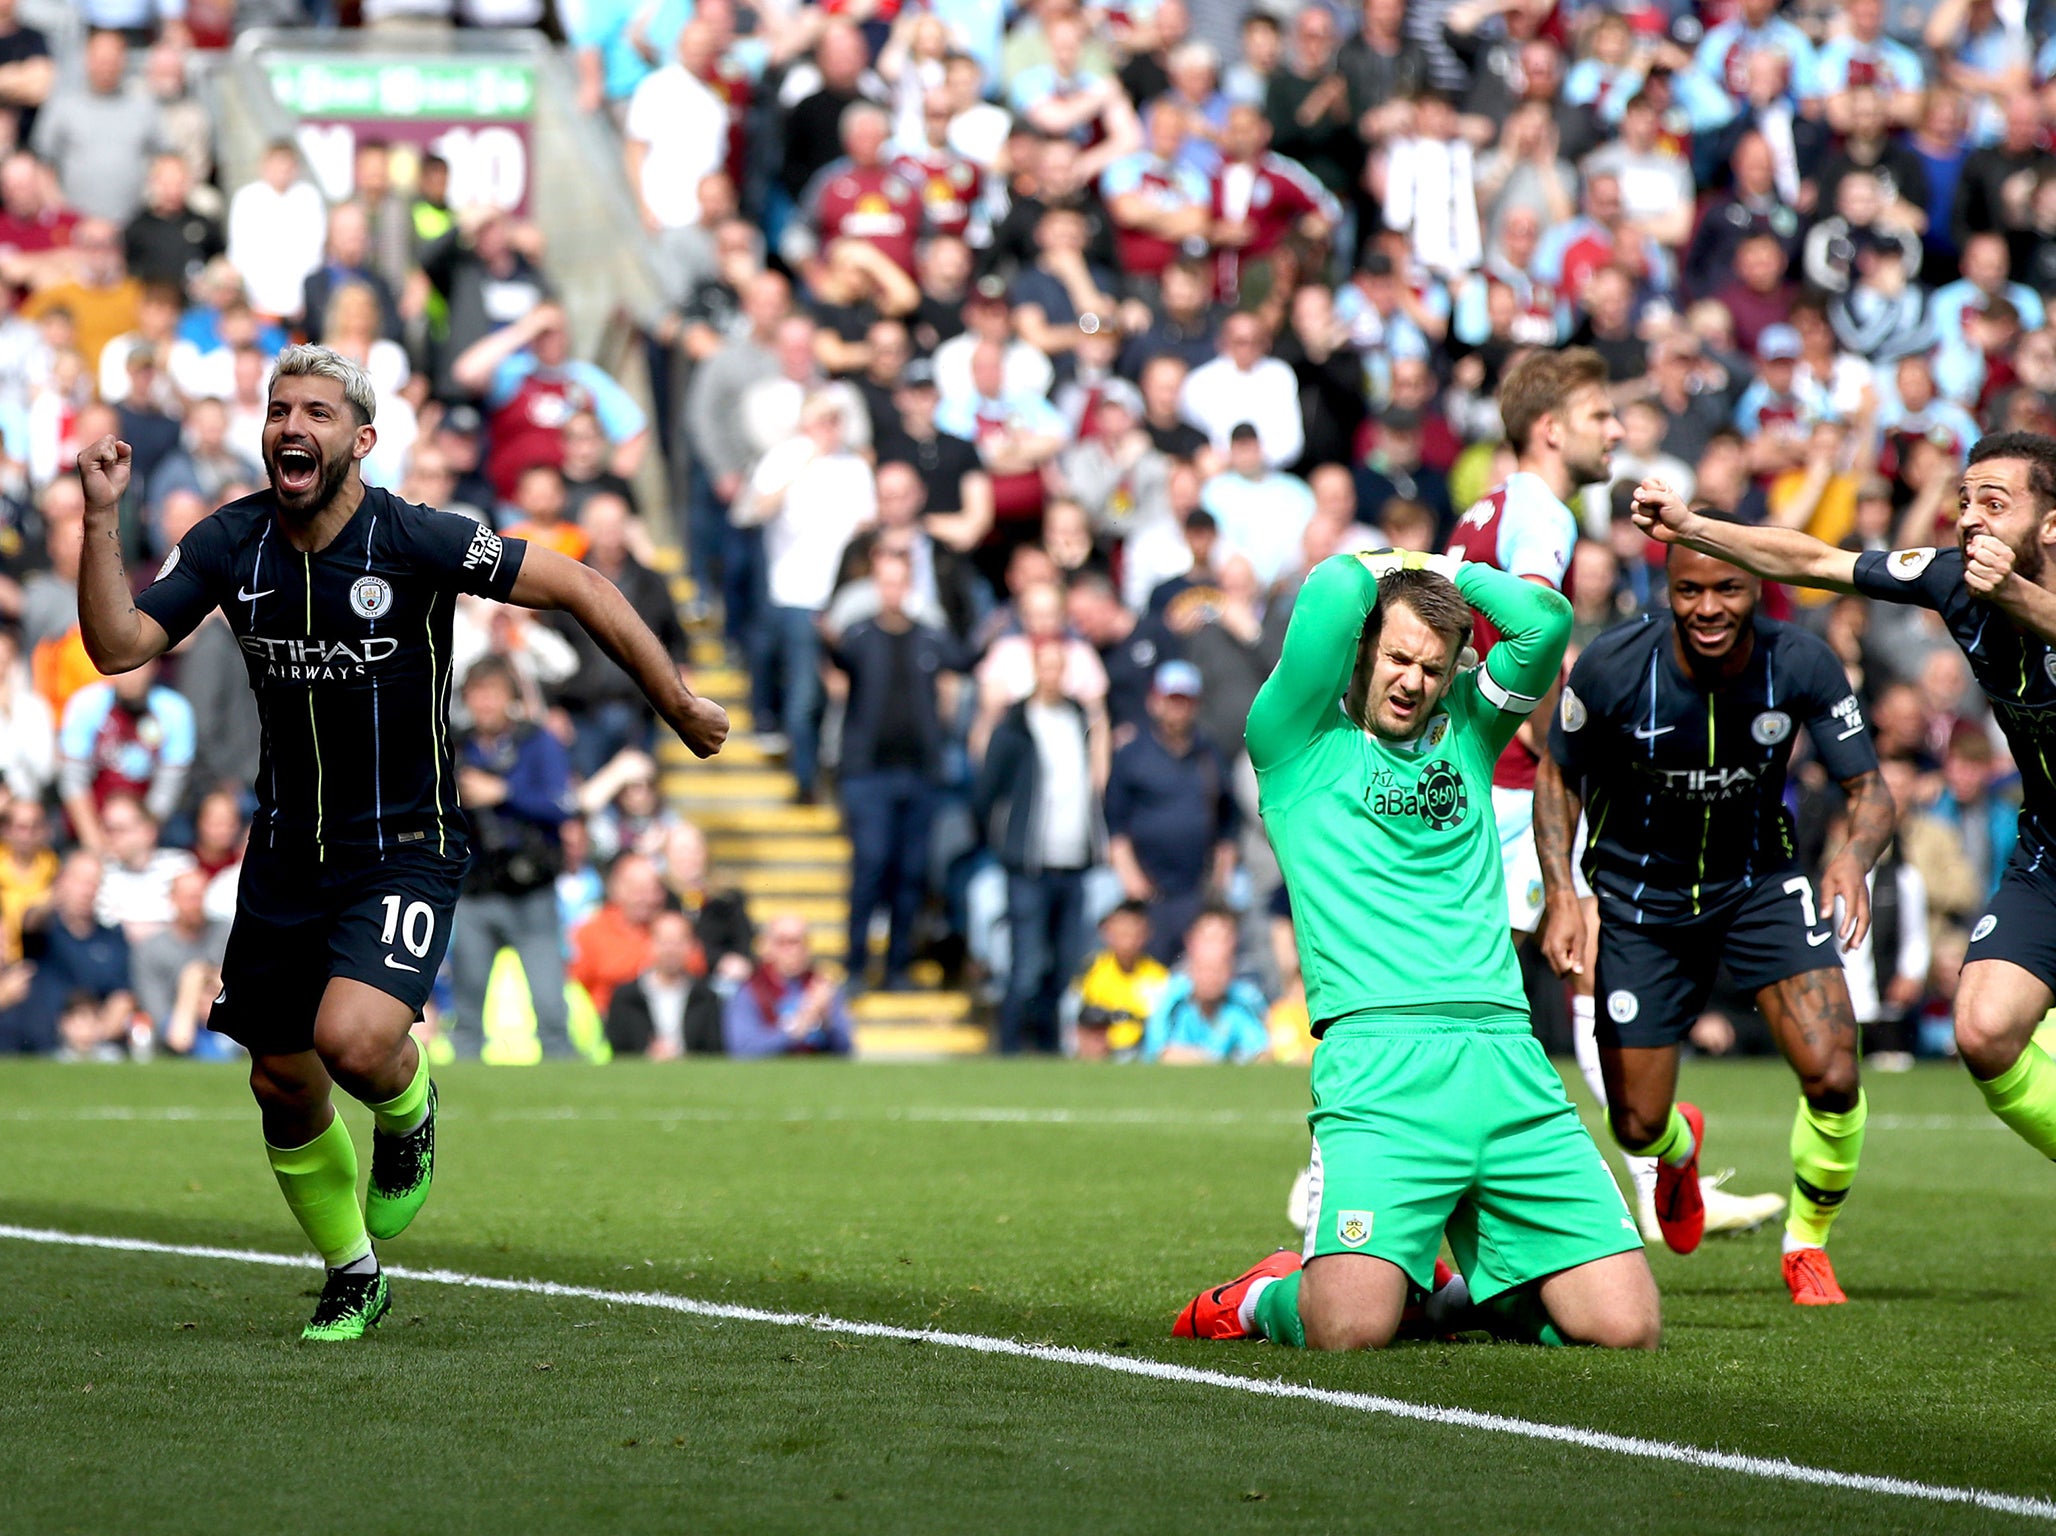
(515, 780)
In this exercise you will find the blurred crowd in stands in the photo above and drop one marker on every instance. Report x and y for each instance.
(1016, 364)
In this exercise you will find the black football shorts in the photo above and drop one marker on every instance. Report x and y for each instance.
(301, 922)
(1654, 976)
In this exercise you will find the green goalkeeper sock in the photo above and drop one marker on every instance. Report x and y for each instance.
(1276, 1314)
(319, 1182)
(1825, 1149)
(409, 1107)
(2024, 1099)
(1674, 1146)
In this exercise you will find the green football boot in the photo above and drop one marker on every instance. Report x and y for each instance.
(350, 1306)
(402, 1168)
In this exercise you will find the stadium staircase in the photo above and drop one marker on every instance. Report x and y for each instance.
(790, 858)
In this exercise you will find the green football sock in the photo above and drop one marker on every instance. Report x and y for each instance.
(1825, 1149)
(319, 1182)
(406, 1109)
(1674, 1146)
(1277, 1312)
(2024, 1099)
(1518, 1315)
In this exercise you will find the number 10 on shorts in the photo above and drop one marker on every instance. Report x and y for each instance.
(421, 916)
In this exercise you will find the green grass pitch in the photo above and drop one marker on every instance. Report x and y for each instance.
(1043, 1202)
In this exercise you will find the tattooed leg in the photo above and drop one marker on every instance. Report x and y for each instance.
(1815, 1027)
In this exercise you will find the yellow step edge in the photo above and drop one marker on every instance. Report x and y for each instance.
(912, 1007)
(713, 783)
(815, 909)
(714, 817)
(886, 1041)
(793, 879)
(734, 851)
(719, 683)
(737, 752)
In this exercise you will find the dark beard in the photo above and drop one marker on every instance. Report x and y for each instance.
(1583, 475)
(309, 505)
(2028, 559)
(2028, 563)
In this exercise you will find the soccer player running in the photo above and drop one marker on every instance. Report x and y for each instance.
(1434, 1105)
(1996, 593)
(1558, 415)
(1674, 733)
(340, 595)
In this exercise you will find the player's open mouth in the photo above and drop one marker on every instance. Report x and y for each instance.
(298, 469)
(1709, 635)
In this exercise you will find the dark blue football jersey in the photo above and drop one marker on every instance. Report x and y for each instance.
(1684, 788)
(2016, 669)
(348, 651)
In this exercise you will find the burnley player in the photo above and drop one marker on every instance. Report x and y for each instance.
(340, 596)
(1994, 593)
(1675, 733)
(1434, 1106)
(1560, 420)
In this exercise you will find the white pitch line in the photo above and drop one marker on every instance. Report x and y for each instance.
(913, 1114)
(1772, 1468)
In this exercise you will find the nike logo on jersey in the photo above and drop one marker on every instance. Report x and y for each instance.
(251, 597)
(395, 965)
(1650, 735)
(1818, 939)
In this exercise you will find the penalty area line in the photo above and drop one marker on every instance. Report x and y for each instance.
(1773, 1469)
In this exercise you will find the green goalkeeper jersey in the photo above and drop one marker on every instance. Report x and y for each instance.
(1390, 850)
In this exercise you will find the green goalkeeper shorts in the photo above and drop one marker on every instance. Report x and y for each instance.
(1444, 1127)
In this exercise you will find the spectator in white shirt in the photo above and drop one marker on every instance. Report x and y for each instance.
(28, 731)
(810, 493)
(675, 136)
(277, 228)
(135, 887)
(1246, 384)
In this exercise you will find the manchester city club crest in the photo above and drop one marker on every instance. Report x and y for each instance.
(1443, 796)
(1771, 727)
(370, 597)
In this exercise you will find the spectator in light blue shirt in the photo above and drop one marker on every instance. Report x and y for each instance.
(1207, 1015)
(1959, 361)
(618, 47)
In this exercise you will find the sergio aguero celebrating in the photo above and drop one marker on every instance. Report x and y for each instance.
(340, 596)
(1434, 1106)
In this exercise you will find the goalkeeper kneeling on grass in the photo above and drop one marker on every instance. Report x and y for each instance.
(1435, 1107)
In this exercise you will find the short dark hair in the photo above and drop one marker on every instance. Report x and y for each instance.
(1433, 598)
(1130, 908)
(2032, 449)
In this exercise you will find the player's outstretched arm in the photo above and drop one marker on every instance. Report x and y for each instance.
(549, 580)
(1556, 820)
(118, 638)
(1871, 817)
(1775, 554)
